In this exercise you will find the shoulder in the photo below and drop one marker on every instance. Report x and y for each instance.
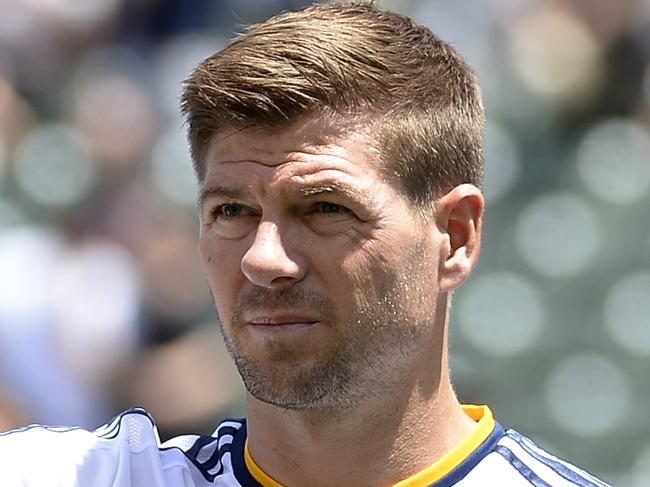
(213, 456)
(514, 458)
(125, 452)
(30, 454)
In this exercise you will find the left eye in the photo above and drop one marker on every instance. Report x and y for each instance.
(331, 208)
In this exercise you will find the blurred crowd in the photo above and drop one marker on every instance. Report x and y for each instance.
(102, 301)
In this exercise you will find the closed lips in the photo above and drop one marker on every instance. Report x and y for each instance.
(281, 320)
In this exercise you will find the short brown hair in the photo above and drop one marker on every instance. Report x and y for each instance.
(415, 91)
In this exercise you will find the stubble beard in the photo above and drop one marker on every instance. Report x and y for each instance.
(361, 363)
(279, 378)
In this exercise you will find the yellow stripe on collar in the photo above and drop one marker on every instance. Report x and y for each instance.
(258, 474)
(484, 426)
(441, 467)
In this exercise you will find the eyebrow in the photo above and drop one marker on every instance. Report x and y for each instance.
(234, 193)
(309, 191)
(333, 188)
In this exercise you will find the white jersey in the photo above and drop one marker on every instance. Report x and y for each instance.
(127, 452)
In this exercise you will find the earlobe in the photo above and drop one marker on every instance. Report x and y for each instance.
(459, 215)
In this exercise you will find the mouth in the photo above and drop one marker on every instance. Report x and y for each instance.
(282, 322)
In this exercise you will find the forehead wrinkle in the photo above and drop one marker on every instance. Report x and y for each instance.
(276, 159)
(298, 149)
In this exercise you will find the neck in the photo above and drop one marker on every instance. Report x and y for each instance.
(379, 442)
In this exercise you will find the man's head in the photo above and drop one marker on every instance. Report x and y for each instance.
(366, 66)
(321, 138)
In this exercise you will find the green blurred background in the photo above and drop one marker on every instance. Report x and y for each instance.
(102, 300)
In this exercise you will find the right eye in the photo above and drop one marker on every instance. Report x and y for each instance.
(230, 210)
(230, 220)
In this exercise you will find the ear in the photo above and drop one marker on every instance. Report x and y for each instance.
(459, 215)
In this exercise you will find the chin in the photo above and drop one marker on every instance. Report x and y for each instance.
(295, 387)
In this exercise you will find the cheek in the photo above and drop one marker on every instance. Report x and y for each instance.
(390, 269)
(365, 276)
(222, 268)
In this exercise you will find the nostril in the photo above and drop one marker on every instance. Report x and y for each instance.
(283, 281)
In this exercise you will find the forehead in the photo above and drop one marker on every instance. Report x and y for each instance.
(306, 145)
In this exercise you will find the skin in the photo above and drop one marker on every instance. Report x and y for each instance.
(333, 296)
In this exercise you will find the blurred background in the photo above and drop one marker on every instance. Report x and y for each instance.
(102, 300)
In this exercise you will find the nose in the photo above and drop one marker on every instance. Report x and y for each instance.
(268, 263)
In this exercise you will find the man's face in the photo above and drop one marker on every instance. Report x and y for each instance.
(323, 275)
